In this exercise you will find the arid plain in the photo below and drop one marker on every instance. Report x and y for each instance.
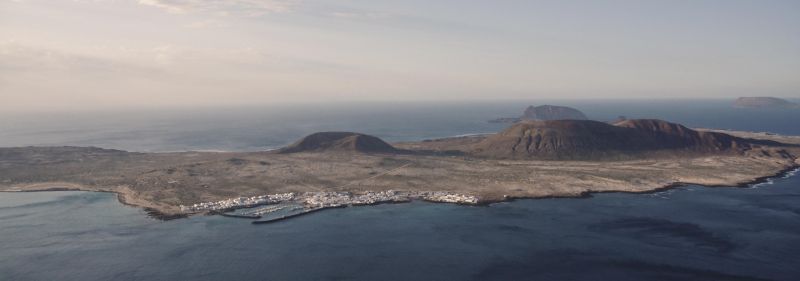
(165, 181)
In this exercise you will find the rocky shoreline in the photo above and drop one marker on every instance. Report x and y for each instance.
(173, 185)
(163, 215)
(589, 194)
(583, 195)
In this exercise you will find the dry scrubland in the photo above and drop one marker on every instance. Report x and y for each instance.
(163, 181)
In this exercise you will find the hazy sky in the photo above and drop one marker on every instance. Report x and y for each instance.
(101, 53)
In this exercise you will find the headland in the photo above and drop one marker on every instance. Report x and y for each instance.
(530, 159)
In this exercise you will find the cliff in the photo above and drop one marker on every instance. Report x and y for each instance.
(586, 139)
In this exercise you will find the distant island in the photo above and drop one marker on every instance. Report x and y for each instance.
(530, 159)
(544, 112)
(764, 102)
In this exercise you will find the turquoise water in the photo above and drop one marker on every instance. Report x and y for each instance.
(690, 233)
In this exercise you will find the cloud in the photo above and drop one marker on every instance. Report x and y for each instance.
(17, 58)
(223, 7)
(21, 60)
(209, 23)
(360, 15)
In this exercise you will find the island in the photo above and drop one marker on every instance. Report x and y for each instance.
(764, 102)
(544, 112)
(530, 159)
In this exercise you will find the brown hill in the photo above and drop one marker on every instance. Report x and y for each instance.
(340, 141)
(586, 139)
(671, 135)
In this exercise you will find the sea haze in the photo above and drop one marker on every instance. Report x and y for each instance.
(267, 127)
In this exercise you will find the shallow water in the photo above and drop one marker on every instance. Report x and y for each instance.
(690, 233)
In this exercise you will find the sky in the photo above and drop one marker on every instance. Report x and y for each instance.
(81, 54)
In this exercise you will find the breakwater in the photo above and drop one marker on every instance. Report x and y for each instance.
(277, 219)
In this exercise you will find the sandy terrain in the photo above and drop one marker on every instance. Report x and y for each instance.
(163, 181)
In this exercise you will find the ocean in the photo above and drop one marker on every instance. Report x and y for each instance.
(687, 233)
(271, 126)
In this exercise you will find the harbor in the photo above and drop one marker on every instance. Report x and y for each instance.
(294, 215)
(286, 205)
(277, 207)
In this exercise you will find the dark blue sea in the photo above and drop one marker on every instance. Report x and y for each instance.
(688, 233)
(270, 126)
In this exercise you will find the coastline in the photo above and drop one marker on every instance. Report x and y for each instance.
(178, 185)
(674, 185)
(152, 210)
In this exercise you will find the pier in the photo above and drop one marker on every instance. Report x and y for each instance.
(293, 215)
(240, 216)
